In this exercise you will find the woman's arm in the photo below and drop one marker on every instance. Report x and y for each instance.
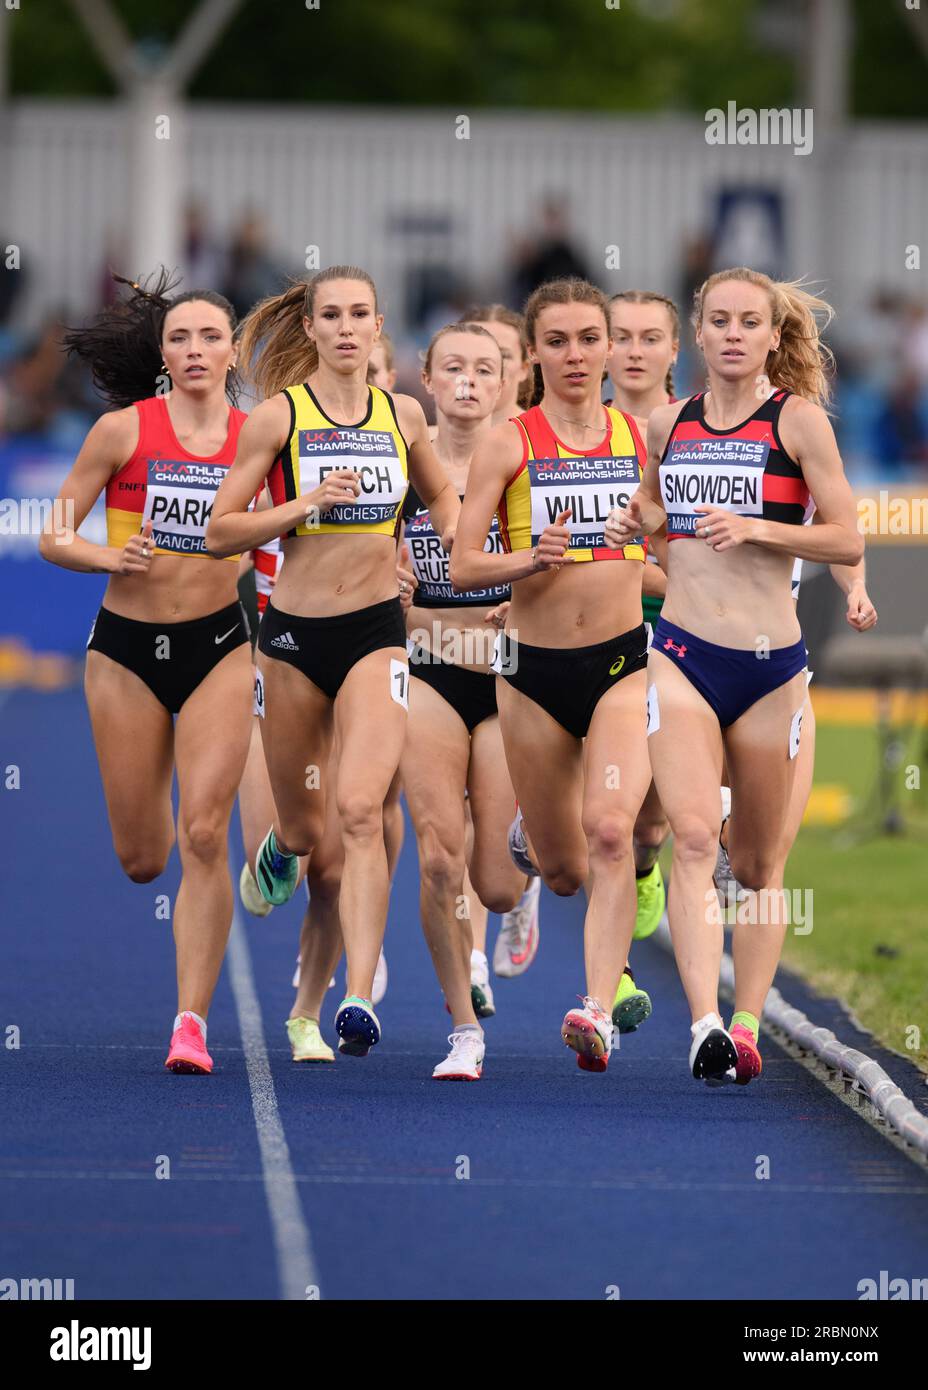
(852, 581)
(232, 528)
(428, 476)
(493, 464)
(807, 436)
(645, 511)
(110, 443)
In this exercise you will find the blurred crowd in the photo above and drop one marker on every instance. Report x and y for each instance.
(881, 350)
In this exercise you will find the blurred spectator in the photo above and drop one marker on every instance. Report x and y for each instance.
(901, 434)
(43, 384)
(915, 346)
(546, 256)
(201, 257)
(250, 272)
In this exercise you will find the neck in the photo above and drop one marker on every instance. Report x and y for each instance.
(455, 443)
(584, 417)
(343, 395)
(506, 410)
(193, 412)
(730, 402)
(640, 402)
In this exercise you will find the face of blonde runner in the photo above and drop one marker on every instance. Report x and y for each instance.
(345, 326)
(736, 336)
(644, 349)
(515, 369)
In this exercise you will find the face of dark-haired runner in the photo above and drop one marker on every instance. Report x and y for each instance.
(571, 344)
(197, 345)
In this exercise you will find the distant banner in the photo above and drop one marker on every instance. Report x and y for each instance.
(46, 608)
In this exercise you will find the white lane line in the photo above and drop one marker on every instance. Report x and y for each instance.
(296, 1267)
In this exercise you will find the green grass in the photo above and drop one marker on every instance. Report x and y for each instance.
(869, 942)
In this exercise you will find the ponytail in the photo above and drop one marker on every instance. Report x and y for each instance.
(802, 363)
(275, 349)
(122, 345)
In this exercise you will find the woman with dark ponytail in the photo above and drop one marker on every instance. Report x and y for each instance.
(168, 675)
(336, 454)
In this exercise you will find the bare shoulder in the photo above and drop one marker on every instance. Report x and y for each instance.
(803, 424)
(114, 436)
(409, 413)
(270, 419)
(660, 423)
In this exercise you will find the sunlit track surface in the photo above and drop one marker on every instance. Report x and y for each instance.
(540, 1181)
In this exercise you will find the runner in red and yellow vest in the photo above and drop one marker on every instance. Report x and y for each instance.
(170, 639)
(570, 666)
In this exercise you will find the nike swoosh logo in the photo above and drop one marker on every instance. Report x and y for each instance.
(217, 640)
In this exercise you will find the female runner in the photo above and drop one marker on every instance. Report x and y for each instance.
(572, 688)
(646, 333)
(453, 741)
(727, 670)
(332, 657)
(168, 671)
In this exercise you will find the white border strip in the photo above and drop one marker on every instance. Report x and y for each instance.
(882, 1092)
(295, 1264)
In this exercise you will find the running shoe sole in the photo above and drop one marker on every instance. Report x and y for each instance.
(482, 1006)
(632, 1011)
(356, 1031)
(458, 1075)
(187, 1067)
(716, 1056)
(749, 1064)
(580, 1034)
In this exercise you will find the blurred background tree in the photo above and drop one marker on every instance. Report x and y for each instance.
(647, 56)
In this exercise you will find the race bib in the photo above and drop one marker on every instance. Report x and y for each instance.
(724, 473)
(399, 682)
(372, 454)
(654, 711)
(431, 566)
(795, 731)
(589, 488)
(259, 695)
(178, 502)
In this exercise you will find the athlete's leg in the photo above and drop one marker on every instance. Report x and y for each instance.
(498, 882)
(394, 824)
(371, 727)
(256, 807)
(478, 915)
(686, 758)
(134, 738)
(434, 765)
(616, 777)
(651, 830)
(546, 766)
(757, 944)
(297, 733)
(210, 744)
(321, 933)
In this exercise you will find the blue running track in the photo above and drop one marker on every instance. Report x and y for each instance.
(638, 1178)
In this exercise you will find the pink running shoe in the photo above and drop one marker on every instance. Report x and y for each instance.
(188, 1050)
(749, 1063)
(588, 1030)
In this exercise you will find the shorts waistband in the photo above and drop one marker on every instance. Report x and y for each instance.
(680, 634)
(577, 653)
(356, 616)
(231, 610)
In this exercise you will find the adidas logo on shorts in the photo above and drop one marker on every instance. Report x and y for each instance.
(286, 641)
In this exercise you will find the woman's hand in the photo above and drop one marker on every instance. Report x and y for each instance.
(861, 613)
(724, 530)
(136, 553)
(551, 551)
(623, 524)
(498, 615)
(406, 578)
(340, 486)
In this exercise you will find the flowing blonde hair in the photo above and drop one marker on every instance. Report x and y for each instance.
(274, 350)
(802, 363)
(652, 297)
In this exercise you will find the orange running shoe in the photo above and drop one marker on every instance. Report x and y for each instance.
(188, 1048)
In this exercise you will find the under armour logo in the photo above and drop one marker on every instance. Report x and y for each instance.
(670, 646)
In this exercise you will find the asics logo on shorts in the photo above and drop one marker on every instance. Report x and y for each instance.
(286, 641)
(616, 666)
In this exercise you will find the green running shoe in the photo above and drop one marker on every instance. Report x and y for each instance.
(306, 1042)
(652, 900)
(631, 1006)
(276, 873)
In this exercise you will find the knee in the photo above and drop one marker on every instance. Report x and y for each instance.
(324, 881)
(695, 841)
(361, 816)
(565, 879)
(752, 868)
(142, 866)
(492, 891)
(441, 864)
(609, 835)
(203, 837)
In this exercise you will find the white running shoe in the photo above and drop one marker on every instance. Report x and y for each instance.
(379, 987)
(250, 894)
(518, 937)
(518, 847)
(589, 1031)
(465, 1060)
(713, 1053)
(726, 885)
(481, 995)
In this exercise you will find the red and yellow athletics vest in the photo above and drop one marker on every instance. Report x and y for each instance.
(553, 477)
(316, 446)
(166, 485)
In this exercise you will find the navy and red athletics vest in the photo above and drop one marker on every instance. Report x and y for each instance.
(744, 470)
